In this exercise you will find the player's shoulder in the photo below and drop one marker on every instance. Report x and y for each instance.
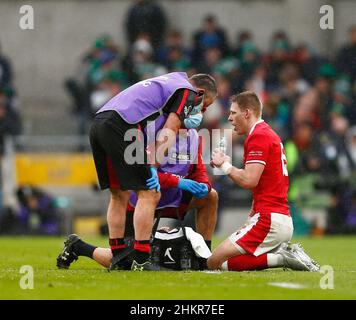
(264, 131)
(262, 134)
(259, 130)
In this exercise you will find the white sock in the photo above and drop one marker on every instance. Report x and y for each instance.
(224, 266)
(274, 260)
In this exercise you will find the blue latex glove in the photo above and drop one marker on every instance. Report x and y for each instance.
(153, 182)
(203, 193)
(190, 186)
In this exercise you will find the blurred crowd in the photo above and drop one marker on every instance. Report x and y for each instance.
(309, 99)
(37, 213)
(10, 122)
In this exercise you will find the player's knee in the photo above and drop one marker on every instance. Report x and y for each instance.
(156, 196)
(213, 197)
(149, 195)
(119, 195)
(213, 263)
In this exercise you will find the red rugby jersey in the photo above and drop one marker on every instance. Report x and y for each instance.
(264, 146)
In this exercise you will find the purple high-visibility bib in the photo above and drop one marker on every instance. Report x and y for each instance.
(181, 156)
(147, 97)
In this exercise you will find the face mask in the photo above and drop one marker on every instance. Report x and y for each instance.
(193, 121)
(195, 116)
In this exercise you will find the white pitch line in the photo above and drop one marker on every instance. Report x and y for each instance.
(287, 285)
(212, 271)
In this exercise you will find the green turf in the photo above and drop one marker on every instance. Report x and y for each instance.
(87, 280)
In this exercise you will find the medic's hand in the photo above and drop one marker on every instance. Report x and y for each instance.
(190, 186)
(153, 182)
(203, 193)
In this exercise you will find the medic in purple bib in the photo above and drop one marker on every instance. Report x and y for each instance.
(179, 102)
(178, 178)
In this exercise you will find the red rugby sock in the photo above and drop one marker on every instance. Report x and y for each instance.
(117, 245)
(143, 246)
(142, 250)
(247, 262)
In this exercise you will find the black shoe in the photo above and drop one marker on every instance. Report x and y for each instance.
(146, 266)
(67, 256)
(202, 264)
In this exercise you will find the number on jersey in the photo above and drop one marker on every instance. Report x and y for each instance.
(284, 161)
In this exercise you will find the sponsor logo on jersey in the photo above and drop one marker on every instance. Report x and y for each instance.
(256, 153)
(179, 156)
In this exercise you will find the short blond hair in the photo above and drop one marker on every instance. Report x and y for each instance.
(248, 99)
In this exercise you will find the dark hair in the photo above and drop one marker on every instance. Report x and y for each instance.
(210, 18)
(248, 99)
(206, 82)
(25, 192)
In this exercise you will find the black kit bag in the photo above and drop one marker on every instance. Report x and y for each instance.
(171, 249)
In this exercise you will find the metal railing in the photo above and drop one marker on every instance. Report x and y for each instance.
(51, 143)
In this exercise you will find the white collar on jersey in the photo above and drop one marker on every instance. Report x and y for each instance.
(253, 127)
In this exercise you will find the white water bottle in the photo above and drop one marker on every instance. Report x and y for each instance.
(222, 144)
(222, 148)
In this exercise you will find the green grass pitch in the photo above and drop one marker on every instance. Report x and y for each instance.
(87, 280)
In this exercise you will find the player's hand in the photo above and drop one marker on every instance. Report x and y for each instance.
(203, 193)
(153, 182)
(218, 158)
(190, 186)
